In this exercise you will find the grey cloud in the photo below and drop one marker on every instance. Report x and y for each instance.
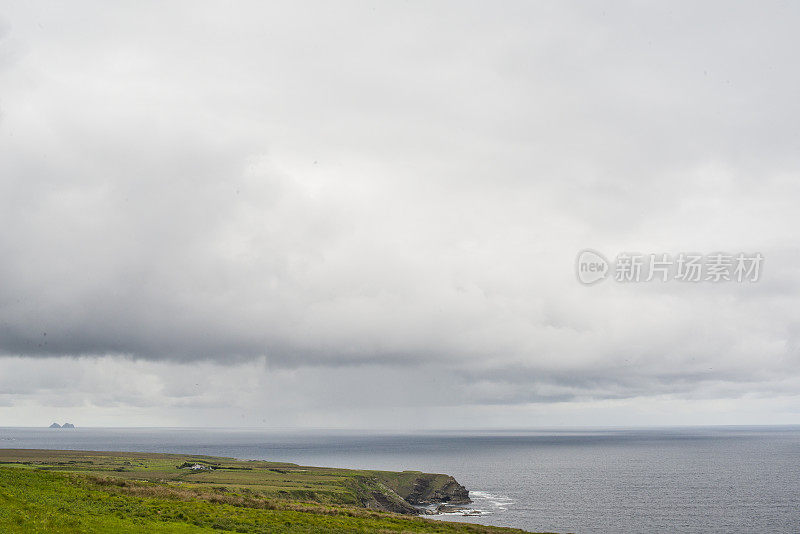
(341, 187)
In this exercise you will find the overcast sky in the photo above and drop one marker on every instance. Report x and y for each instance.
(367, 215)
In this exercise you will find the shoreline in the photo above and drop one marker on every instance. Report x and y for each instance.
(247, 489)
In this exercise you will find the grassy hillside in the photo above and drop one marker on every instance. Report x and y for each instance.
(66, 491)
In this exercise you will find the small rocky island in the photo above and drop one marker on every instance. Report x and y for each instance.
(65, 425)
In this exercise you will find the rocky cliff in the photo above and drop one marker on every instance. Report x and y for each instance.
(432, 489)
(380, 497)
(407, 490)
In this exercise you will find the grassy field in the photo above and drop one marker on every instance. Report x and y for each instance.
(75, 491)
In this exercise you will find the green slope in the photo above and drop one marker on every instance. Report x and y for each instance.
(67, 491)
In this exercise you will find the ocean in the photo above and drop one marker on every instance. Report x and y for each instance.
(678, 480)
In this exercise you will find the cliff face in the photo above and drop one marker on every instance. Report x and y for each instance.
(432, 489)
(403, 492)
(385, 499)
(409, 489)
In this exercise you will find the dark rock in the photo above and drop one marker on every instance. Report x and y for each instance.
(388, 501)
(55, 425)
(67, 425)
(411, 492)
(450, 509)
(430, 489)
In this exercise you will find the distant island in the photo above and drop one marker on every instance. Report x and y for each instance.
(65, 425)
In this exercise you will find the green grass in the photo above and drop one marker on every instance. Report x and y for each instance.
(60, 491)
(264, 479)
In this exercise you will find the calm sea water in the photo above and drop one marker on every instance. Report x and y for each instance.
(721, 479)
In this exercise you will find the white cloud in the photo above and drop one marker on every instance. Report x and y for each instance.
(364, 191)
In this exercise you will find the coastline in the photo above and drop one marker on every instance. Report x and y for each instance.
(246, 487)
